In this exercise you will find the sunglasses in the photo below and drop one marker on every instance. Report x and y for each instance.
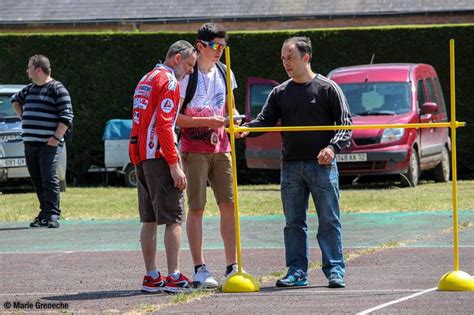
(186, 48)
(214, 45)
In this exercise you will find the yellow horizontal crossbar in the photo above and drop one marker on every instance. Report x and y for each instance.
(454, 124)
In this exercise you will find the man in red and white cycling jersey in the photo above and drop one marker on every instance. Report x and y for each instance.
(160, 178)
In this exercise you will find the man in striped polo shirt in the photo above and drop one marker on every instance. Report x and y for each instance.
(45, 109)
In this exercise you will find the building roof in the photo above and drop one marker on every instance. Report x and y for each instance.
(87, 11)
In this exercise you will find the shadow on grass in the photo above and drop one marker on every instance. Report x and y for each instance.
(96, 295)
(16, 189)
(259, 188)
(14, 228)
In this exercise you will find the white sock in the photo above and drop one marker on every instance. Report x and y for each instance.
(175, 275)
(154, 274)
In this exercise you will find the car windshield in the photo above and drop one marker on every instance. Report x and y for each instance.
(6, 109)
(377, 98)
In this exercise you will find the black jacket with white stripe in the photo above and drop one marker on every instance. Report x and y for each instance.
(319, 102)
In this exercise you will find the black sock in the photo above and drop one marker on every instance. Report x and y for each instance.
(229, 269)
(197, 267)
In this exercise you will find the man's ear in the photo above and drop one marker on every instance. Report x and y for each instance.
(199, 46)
(306, 58)
(177, 58)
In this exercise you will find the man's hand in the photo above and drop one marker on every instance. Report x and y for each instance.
(52, 141)
(326, 156)
(178, 176)
(215, 122)
(212, 122)
(240, 135)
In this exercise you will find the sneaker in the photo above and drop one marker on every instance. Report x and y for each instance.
(152, 285)
(177, 285)
(336, 281)
(297, 279)
(203, 279)
(53, 224)
(37, 222)
(235, 269)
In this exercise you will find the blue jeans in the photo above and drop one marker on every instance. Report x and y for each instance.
(298, 180)
(42, 163)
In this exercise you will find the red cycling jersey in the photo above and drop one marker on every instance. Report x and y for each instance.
(155, 109)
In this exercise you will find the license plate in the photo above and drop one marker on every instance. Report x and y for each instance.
(6, 138)
(18, 162)
(352, 157)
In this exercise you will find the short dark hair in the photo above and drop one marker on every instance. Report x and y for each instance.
(302, 43)
(180, 47)
(42, 62)
(209, 31)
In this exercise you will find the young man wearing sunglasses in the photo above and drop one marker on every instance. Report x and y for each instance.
(206, 150)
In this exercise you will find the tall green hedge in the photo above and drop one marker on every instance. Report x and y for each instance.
(101, 70)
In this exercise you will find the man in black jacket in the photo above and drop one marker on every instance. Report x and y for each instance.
(308, 161)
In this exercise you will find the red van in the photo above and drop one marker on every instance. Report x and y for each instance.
(376, 94)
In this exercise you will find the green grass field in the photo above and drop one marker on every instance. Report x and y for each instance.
(121, 203)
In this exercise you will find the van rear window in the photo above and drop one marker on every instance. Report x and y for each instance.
(377, 98)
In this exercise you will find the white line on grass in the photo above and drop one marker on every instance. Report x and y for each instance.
(370, 310)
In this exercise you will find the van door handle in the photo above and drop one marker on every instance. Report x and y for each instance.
(427, 118)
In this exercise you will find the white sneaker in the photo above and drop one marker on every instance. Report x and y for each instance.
(203, 278)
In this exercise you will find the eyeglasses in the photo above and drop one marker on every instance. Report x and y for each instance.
(186, 48)
(214, 45)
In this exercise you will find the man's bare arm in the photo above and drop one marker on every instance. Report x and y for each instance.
(18, 109)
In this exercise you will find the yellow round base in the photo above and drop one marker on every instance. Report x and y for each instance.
(240, 282)
(456, 281)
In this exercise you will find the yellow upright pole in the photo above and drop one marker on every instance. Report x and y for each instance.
(455, 280)
(453, 155)
(240, 281)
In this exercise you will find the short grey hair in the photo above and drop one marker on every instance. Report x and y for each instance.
(42, 62)
(182, 47)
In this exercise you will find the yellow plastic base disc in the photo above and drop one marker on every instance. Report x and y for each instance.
(240, 282)
(456, 281)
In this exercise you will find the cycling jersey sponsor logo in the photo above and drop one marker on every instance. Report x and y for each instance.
(167, 105)
(136, 117)
(152, 134)
(143, 89)
(140, 103)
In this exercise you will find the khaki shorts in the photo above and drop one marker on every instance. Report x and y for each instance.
(201, 167)
(158, 200)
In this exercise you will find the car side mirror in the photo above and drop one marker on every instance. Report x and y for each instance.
(429, 108)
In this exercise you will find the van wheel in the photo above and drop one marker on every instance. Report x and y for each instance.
(410, 178)
(62, 185)
(442, 171)
(130, 176)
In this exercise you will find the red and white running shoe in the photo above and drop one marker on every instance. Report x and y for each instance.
(151, 285)
(181, 284)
